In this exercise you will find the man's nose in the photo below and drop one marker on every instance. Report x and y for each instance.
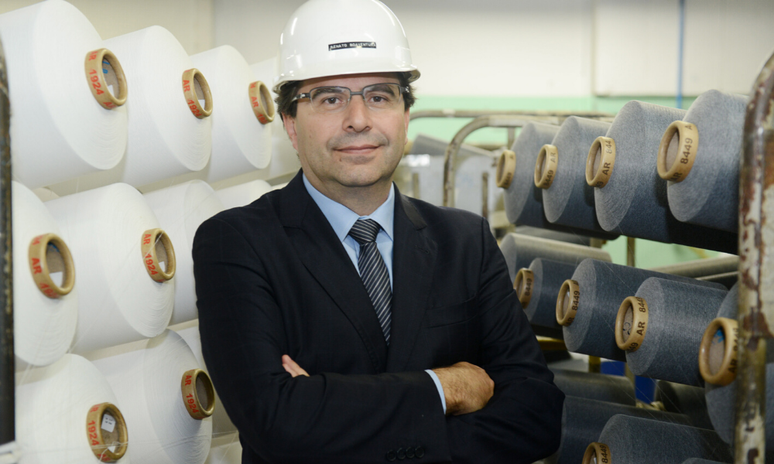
(358, 116)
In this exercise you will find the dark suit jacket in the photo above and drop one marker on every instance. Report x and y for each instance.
(272, 279)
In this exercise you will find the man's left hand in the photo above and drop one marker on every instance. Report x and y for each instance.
(292, 367)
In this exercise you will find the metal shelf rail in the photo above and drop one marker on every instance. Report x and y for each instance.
(756, 268)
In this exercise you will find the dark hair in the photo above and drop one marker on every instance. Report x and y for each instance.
(285, 105)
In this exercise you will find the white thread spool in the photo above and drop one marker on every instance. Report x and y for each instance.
(119, 301)
(221, 423)
(154, 381)
(225, 450)
(181, 209)
(241, 140)
(45, 297)
(58, 130)
(166, 137)
(242, 194)
(55, 407)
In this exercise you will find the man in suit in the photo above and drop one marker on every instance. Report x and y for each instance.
(343, 322)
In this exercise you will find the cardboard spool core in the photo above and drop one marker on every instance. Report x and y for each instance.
(51, 265)
(261, 102)
(107, 433)
(506, 167)
(677, 151)
(195, 90)
(567, 302)
(600, 162)
(597, 453)
(523, 284)
(631, 324)
(718, 360)
(545, 166)
(198, 394)
(158, 255)
(106, 78)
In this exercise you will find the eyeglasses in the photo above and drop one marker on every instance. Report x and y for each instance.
(377, 97)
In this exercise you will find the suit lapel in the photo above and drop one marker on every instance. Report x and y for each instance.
(325, 258)
(413, 261)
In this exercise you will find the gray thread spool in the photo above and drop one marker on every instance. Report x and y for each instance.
(601, 387)
(699, 156)
(684, 399)
(661, 328)
(567, 199)
(584, 419)
(702, 267)
(636, 440)
(630, 197)
(523, 201)
(589, 316)
(520, 250)
(721, 399)
(542, 281)
(553, 235)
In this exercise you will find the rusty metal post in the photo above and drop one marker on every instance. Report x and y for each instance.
(756, 267)
(7, 412)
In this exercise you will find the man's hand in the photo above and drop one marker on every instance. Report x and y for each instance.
(466, 387)
(291, 367)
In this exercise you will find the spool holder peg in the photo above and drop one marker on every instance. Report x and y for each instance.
(107, 432)
(195, 87)
(261, 102)
(718, 352)
(156, 248)
(597, 453)
(506, 168)
(600, 162)
(103, 71)
(198, 394)
(48, 253)
(524, 283)
(631, 323)
(545, 166)
(567, 302)
(677, 151)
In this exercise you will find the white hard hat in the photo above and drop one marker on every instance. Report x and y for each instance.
(332, 37)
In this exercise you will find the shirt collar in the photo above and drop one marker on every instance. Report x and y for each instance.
(342, 218)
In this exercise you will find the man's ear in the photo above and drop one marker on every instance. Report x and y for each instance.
(290, 127)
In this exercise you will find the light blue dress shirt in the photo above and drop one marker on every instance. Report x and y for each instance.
(342, 219)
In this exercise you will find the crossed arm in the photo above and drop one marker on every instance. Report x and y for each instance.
(466, 387)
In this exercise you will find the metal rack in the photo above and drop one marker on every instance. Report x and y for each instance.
(756, 268)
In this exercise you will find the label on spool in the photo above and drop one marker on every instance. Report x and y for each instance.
(108, 423)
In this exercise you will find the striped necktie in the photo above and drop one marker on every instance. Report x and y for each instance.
(373, 271)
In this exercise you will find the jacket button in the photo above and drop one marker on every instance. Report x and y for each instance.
(419, 451)
(391, 456)
(410, 452)
(401, 454)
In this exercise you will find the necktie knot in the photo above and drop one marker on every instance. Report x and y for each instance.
(364, 231)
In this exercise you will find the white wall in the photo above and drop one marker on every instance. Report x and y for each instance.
(502, 47)
(191, 21)
(636, 51)
(551, 47)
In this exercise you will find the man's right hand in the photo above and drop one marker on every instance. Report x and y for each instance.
(466, 387)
